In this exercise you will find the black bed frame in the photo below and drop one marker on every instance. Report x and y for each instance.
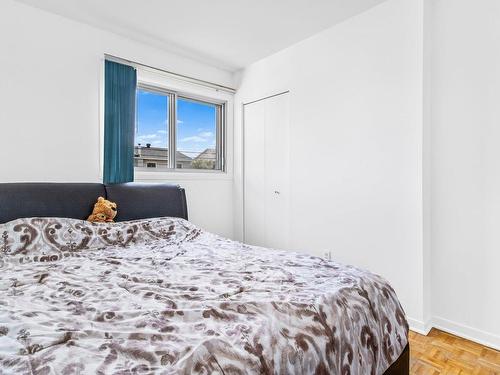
(134, 201)
(76, 200)
(402, 364)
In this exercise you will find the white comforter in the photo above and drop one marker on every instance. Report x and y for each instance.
(162, 296)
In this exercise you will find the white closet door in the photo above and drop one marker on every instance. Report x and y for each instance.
(266, 171)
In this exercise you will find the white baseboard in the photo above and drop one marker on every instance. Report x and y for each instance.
(469, 333)
(461, 330)
(419, 326)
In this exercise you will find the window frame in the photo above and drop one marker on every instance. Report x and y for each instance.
(220, 124)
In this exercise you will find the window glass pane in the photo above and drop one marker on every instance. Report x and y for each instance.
(196, 135)
(151, 137)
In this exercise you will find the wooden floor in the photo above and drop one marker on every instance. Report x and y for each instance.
(441, 353)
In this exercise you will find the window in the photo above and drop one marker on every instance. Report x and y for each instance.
(151, 136)
(175, 131)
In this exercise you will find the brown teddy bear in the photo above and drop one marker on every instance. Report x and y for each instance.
(104, 211)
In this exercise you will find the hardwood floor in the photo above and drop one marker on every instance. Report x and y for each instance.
(442, 353)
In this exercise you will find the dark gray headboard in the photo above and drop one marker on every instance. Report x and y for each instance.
(76, 200)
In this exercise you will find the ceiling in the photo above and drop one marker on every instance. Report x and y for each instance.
(229, 34)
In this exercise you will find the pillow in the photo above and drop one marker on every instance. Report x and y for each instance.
(51, 239)
(44, 239)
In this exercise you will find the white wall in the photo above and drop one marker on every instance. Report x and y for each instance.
(356, 142)
(465, 171)
(49, 104)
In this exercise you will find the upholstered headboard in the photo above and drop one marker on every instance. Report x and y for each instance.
(76, 200)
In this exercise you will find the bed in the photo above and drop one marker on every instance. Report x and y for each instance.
(155, 294)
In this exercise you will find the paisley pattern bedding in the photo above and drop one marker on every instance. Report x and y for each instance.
(162, 296)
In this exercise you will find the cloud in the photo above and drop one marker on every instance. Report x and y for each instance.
(193, 139)
(205, 134)
(152, 139)
(146, 137)
(162, 131)
(180, 122)
(200, 137)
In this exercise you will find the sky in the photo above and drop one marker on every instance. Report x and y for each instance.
(195, 123)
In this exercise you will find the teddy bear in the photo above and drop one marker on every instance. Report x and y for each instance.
(104, 211)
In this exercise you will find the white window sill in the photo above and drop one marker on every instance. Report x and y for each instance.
(181, 175)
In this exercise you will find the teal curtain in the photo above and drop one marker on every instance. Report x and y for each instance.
(119, 122)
